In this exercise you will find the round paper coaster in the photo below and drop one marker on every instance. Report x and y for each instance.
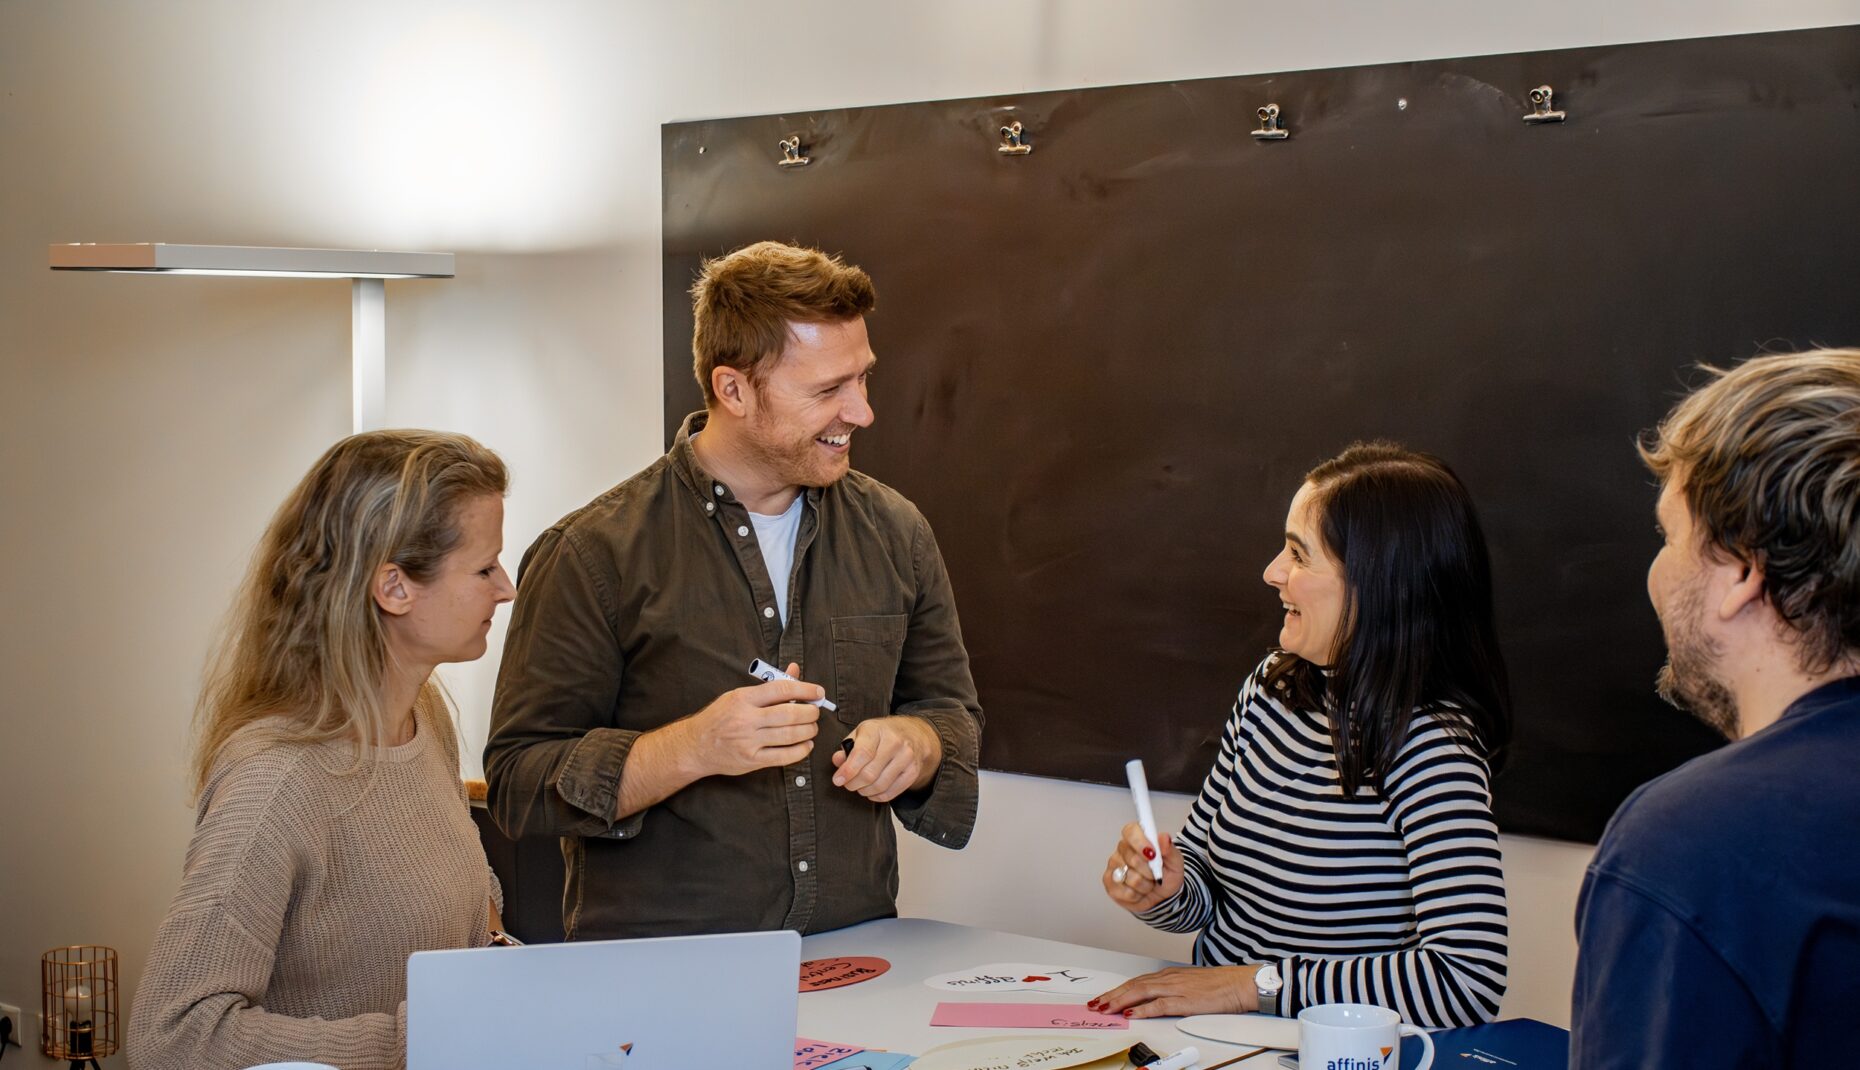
(818, 975)
(1246, 1030)
(1046, 1053)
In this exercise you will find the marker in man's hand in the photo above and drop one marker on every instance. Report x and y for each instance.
(765, 672)
(1146, 819)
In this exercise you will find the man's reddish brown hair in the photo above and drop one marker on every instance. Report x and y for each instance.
(744, 302)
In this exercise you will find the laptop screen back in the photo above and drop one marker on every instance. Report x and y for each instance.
(681, 1002)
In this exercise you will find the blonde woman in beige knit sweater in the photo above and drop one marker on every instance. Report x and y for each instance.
(332, 837)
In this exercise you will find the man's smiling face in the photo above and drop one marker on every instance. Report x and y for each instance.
(806, 408)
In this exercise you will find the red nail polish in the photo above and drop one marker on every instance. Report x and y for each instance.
(1149, 852)
(1126, 1014)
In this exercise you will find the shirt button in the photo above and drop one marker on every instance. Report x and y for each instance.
(740, 530)
(802, 866)
(768, 611)
(710, 507)
(719, 489)
(800, 782)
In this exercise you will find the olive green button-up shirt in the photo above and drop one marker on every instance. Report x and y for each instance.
(648, 603)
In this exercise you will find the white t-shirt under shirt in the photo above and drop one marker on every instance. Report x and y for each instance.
(775, 535)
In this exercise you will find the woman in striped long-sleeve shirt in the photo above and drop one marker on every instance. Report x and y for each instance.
(1342, 848)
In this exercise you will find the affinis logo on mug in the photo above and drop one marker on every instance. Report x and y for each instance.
(1356, 1036)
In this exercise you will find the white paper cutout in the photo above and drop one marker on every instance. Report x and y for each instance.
(1077, 981)
(994, 977)
(1028, 977)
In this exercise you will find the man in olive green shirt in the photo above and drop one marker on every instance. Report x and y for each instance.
(685, 801)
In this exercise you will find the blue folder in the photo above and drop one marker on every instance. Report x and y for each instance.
(1523, 1043)
(1513, 1044)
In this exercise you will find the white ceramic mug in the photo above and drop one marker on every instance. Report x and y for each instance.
(1356, 1036)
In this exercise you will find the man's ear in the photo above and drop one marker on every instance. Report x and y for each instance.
(733, 390)
(1745, 590)
(392, 590)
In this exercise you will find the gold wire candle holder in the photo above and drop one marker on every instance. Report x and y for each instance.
(79, 1019)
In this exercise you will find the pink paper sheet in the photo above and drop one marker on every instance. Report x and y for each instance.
(1025, 1016)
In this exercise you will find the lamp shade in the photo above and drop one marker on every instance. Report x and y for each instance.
(162, 258)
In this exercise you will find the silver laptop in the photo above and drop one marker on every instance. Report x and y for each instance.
(678, 1003)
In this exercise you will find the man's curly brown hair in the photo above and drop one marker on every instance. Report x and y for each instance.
(1767, 457)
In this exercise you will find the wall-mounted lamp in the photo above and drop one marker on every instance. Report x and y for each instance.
(367, 270)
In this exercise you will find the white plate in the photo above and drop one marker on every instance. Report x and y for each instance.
(1246, 1030)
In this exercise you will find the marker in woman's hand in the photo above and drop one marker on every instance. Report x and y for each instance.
(1146, 819)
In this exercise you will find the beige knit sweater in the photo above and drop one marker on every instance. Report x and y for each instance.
(302, 895)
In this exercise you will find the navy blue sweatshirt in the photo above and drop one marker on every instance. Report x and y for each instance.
(1720, 921)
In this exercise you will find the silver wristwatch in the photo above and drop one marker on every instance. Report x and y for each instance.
(1269, 984)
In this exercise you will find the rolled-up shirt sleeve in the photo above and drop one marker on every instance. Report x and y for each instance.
(554, 761)
(934, 683)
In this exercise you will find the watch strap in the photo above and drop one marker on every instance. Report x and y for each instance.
(1269, 996)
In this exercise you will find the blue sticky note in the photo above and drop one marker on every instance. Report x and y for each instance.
(872, 1060)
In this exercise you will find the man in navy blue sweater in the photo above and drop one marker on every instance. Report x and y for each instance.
(1720, 921)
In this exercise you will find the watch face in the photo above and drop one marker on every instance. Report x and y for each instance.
(1267, 979)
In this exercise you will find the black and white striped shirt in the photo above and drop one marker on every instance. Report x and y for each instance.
(1396, 900)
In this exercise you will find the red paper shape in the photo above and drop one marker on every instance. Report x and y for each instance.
(818, 975)
(1035, 977)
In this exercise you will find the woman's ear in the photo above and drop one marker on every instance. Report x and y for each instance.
(392, 590)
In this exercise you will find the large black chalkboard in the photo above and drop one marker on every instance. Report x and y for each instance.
(1104, 365)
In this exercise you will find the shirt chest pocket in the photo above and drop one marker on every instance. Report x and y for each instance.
(866, 652)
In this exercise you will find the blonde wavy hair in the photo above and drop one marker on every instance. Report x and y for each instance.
(1767, 456)
(303, 650)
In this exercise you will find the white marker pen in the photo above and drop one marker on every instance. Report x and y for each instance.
(1140, 791)
(765, 672)
(1185, 1057)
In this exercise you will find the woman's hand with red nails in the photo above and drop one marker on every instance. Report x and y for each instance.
(1133, 888)
(1183, 990)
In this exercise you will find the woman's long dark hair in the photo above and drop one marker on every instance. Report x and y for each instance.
(1417, 628)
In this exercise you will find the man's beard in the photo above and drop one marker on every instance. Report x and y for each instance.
(1688, 679)
(797, 463)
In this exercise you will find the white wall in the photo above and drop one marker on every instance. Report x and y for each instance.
(148, 426)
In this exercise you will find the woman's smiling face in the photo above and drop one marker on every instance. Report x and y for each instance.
(1310, 583)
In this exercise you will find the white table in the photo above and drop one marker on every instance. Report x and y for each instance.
(892, 1012)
